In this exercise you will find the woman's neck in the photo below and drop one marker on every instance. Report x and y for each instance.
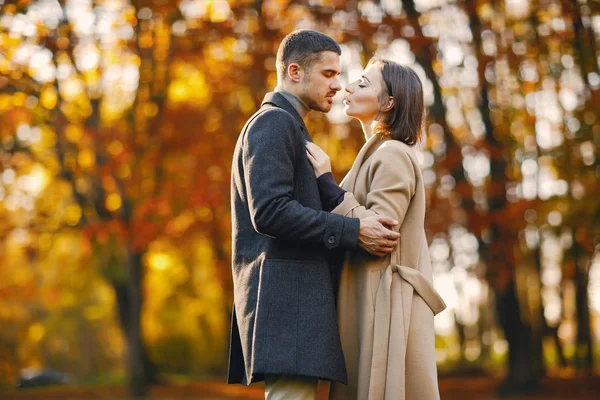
(368, 128)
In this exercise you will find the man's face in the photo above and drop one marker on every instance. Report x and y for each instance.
(321, 82)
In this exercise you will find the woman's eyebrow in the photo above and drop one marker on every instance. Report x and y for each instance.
(366, 79)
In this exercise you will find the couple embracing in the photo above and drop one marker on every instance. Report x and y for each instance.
(332, 282)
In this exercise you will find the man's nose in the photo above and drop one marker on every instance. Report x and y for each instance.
(336, 84)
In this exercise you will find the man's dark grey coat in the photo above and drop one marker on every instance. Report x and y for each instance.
(284, 319)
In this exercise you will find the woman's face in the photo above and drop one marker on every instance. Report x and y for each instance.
(363, 96)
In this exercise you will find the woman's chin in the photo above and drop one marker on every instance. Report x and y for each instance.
(348, 111)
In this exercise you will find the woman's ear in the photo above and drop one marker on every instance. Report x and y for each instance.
(389, 104)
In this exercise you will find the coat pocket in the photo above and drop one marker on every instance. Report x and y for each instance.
(277, 315)
(281, 288)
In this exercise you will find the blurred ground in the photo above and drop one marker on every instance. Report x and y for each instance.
(451, 389)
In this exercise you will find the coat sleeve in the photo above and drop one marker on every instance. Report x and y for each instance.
(269, 155)
(392, 181)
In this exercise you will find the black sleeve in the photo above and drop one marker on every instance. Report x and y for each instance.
(331, 194)
(269, 156)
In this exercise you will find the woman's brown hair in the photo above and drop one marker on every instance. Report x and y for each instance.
(404, 121)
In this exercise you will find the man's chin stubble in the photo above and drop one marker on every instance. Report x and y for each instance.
(325, 108)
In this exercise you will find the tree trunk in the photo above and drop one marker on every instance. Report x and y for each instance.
(123, 306)
(583, 344)
(136, 371)
(522, 376)
(522, 332)
(546, 329)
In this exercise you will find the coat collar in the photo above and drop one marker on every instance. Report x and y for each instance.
(278, 100)
(368, 148)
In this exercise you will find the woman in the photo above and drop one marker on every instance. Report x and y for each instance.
(386, 304)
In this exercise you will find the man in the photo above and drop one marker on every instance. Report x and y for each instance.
(284, 328)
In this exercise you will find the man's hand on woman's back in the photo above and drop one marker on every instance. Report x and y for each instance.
(375, 238)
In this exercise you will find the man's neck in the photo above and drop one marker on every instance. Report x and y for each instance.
(300, 107)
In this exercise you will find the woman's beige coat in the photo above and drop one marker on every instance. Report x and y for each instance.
(386, 304)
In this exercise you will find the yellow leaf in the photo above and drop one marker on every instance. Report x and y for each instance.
(94, 313)
(72, 215)
(150, 109)
(5, 102)
(115, 147)
(73, 133)
(113, 202)
(159, 261)
(204, 214)
(19, 99)
(49, 97)
(85, 158)
(36, 332)
(124, 171)
(44, 242)
(177, 91)
(219, 11)
(48, 137)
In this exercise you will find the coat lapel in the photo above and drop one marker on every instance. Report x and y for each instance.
(278, 100)
(349, 181)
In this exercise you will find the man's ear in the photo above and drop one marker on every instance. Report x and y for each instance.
(294, 72)
(389, 104)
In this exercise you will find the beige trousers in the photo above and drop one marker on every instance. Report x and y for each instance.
(290, 387)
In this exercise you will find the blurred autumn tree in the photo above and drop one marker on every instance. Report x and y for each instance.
(119, 119)
(99, 98)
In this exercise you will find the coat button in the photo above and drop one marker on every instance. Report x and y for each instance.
(331, 240)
